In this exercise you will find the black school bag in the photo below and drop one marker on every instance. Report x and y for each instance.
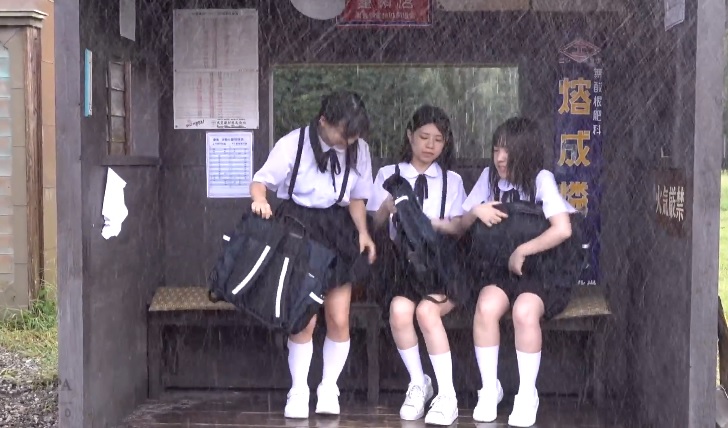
(272, 270)
(491, 247)
(423, 252)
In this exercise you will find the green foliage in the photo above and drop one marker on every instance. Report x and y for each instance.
(477, 99)
(34, 334)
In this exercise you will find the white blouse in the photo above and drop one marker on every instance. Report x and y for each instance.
(313, 188)
(546, 191)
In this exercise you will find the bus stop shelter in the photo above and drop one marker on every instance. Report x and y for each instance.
(651, 354)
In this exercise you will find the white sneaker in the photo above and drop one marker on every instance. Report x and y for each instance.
(443, 410)
(297, 404)
(487, 408)
(327, 400)
(414, 402)
(524, 410)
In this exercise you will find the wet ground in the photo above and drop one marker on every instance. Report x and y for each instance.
(263, 409)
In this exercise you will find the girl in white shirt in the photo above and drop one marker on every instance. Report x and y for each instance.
(427, 151)
(334, 178)
(516, 173)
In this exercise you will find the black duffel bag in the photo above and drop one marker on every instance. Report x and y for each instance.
(491, 247)
(428, 255)
(273, 271)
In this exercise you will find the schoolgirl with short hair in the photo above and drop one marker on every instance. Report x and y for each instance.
(323, 175)
(426, 155)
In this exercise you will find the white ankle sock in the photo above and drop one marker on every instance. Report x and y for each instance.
(299, 361)
(528, 365)
(335, 355)
(412, 361)
(487, 358)
(442, 364)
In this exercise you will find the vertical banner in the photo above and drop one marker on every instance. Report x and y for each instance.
(578, 139)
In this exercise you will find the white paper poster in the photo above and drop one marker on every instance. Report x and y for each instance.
(229, 164)
(127, 19)
(674, 13)
(216, 69)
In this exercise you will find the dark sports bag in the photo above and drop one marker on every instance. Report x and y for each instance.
(271, 270)
(425, 253)
(492, 247)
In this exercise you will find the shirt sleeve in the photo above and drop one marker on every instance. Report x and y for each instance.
(456, 209)
(362, 189)
(279, 163)
(378, 192)
(548, 192)
(480, 192)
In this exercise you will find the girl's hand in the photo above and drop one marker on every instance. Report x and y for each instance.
(515, 262)
(262, 208)
(388, 205)
(488, 214)
(366, 243)
(440, 225)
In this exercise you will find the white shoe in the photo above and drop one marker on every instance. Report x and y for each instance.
(327, 400)
(524, 410)
(443, 410)
(297, 404)
(414, 403)
(487, 408)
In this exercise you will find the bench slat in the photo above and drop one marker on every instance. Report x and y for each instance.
(585, 302)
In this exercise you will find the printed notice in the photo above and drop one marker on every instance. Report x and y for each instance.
(229, 164)
(216, 69)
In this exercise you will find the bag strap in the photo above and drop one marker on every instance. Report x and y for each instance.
(346, 178)
(297, 163)
(444, 194)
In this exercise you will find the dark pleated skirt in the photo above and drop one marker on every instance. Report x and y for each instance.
(333, 228)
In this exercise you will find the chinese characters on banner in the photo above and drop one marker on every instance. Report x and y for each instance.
(578, 139)
(386, 13)
(670, 200)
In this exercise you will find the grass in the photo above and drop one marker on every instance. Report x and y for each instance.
(34, 333)
(723, 252)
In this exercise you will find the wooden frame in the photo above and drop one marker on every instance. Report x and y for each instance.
(119, 147)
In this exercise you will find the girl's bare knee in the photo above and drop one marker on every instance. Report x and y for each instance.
(305, 335)
(428, 315)
(401, 313)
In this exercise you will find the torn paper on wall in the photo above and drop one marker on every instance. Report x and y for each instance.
(114, 210)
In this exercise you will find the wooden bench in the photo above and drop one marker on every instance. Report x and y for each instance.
(189, 306)
(185, 306)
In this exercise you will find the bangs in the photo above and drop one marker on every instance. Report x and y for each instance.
(356, 125)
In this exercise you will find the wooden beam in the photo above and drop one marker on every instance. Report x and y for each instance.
(33, 164)
(535, 5)
(482, 5)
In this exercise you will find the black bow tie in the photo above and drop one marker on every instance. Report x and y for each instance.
(332, 159)
(421, 191)
(511, 196)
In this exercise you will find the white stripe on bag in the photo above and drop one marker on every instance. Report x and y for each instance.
(316, 298)
(250, 275)
(400, 199)
(280, 287)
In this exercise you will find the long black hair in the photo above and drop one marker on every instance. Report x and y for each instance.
(520, 136)
(347, 108)
(426, 115)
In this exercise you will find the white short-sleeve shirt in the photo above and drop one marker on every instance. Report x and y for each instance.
(547, 192)
(313, 188)
(432, 204)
